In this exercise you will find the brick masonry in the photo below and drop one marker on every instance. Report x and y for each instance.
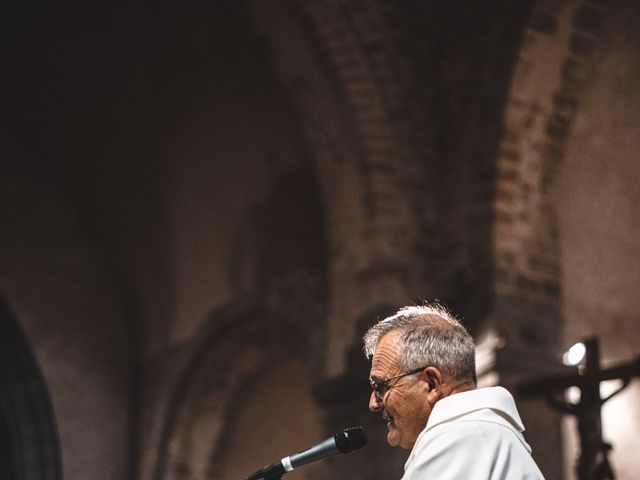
(544, 101)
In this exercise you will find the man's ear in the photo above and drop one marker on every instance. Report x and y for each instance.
(434, 378)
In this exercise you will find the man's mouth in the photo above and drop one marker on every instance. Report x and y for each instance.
(389, 420)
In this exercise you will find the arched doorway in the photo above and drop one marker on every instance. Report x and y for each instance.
(247, 357)
(29, 448)
(7, 468)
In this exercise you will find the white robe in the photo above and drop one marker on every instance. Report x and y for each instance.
(473, 435)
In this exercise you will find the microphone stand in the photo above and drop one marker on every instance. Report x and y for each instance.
(268, 476)
(275, 476)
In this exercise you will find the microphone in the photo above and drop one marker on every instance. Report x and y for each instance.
(346, 441)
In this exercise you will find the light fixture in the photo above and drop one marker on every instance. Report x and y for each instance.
(575, 355)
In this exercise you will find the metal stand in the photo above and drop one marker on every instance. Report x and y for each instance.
(268, 473)
(265, 477)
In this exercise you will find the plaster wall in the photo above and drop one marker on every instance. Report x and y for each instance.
(276, 419)
(64, 299)
(223, 162)
(164, 138)
(598, 193)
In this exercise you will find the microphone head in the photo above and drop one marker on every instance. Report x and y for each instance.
(350, 439)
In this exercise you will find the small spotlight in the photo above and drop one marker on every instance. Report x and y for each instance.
(575, 355)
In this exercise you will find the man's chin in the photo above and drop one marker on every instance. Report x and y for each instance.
(393, 437)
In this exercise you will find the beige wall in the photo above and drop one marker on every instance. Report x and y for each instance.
(64, 299)
(598, 193)
(277, 418)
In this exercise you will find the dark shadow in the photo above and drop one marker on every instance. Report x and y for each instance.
(7, 467)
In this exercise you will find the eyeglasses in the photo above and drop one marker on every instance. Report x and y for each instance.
(381, 387)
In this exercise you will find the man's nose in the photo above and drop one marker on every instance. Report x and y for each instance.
(375, 405)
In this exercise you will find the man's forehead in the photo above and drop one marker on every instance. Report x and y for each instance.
(386, 356)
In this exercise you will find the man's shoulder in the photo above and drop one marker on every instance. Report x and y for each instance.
(492, 403)
(480, 441)
(481, 432)
(484, 423)
(477, 422)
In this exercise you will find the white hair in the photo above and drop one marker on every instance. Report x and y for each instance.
(430, 336)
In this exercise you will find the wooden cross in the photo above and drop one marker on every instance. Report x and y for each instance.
(593, 463)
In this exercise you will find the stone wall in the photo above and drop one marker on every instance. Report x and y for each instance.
(219, 188)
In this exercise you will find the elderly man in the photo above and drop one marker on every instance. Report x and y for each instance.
(424, 384)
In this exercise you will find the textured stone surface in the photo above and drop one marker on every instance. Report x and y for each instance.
(204, 190)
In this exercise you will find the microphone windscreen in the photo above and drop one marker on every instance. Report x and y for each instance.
(350, 439)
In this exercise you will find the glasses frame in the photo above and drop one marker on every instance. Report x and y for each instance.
(382, 387)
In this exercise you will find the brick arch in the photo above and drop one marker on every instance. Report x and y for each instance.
(555, 63)
(552, 71)
(334, 60)
(26, 414)
(238, 343)
(406, 199)
(460, 56)
(402, 106)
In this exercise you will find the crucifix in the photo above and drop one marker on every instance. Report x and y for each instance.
(593, 463)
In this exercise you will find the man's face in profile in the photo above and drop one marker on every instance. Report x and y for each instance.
(404, 406)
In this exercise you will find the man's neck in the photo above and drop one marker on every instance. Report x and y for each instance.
(463, 386)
